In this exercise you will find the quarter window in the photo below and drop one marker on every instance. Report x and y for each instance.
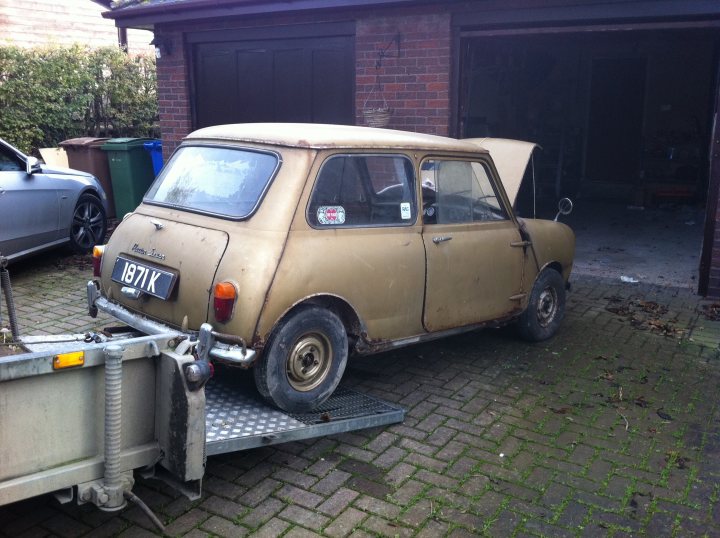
(363, 190)
(457, 192)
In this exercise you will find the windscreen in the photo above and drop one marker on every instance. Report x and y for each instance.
(223, 181)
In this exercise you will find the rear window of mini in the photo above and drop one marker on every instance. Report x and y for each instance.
(363, 190)
(215, 180)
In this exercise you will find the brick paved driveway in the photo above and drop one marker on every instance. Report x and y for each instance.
(610, 429)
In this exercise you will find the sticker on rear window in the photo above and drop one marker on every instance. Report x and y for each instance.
(405, 211)
(331, 214)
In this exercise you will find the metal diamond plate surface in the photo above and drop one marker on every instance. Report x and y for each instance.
(345, 404)
(232, 415)
(237, 419)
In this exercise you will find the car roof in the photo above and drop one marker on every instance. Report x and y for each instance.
(320, 136)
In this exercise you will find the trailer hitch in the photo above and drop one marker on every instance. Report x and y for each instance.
(198, 373)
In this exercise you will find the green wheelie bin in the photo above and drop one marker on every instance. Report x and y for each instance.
(131, 170)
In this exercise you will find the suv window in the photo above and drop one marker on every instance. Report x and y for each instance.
(222, 181)
(9, 162)
(459, 192)
(363, 190)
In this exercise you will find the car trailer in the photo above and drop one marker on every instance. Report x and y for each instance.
(80, 413)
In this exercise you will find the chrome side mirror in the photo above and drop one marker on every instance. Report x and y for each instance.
(565, 207)
(31, 165)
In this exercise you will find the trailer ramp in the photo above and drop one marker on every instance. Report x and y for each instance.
(236, 419)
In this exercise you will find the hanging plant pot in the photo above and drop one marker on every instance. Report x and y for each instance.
(377, 117)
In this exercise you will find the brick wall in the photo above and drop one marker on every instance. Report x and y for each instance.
(29, 23)
(414, 85)
(173, 93)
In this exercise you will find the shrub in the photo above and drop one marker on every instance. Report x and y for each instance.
(50, 94)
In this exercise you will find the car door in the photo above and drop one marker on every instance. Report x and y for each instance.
(359, 239)
(28, 207)
(474, 252)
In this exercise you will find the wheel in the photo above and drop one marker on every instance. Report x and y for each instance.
(303, 361)
(89, 224)
(546, 308)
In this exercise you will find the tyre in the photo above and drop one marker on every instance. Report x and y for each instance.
(303, 361)
(546, 308)
(89, 224)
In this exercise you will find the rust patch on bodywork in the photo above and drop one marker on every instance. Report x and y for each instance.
(369, 346)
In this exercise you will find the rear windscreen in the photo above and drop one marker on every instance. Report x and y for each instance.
(223, 181)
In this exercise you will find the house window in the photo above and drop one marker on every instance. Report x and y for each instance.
(363, 190)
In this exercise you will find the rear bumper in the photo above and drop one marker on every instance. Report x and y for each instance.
(234, 354)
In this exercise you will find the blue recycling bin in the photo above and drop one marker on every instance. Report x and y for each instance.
(154, 147)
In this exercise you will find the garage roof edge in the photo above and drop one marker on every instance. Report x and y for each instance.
(151, 11)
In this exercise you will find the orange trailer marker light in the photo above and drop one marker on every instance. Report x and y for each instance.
(69, 360)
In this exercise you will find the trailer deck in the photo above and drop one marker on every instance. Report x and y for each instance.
(235, 420)
(158, 421)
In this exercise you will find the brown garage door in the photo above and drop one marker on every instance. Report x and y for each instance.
(288, 80)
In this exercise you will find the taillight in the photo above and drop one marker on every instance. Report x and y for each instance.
(225, 295)
(98, 251)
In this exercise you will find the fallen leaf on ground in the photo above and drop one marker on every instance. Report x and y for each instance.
(651, 307)
(712, 311)
(607, 375)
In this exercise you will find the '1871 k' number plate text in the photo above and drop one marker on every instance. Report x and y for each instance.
(151, 280)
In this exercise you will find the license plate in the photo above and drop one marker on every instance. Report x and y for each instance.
(151, 280)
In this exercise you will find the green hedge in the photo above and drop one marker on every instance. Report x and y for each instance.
(50, 94)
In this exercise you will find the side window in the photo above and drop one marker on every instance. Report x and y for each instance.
(363, 190)
(9, 161)
(458, 192)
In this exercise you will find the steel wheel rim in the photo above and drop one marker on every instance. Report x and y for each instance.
(309, 362)
(87, 225)
(547, 306)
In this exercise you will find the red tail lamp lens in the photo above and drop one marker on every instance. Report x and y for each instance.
(98, 251)
(225, 295)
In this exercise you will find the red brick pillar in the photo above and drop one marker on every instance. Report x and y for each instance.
(173, 92)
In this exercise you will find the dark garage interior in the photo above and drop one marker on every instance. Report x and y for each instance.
(624, 119)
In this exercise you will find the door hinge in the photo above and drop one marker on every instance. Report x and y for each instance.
(522, 244)
(518, 297)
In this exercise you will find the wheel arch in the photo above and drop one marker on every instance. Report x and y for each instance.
(92, 191)
(555, 265)
(339, 306)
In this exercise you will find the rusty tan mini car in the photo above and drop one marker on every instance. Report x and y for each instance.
(301, 245)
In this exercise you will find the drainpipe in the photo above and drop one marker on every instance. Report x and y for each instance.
(123, 39)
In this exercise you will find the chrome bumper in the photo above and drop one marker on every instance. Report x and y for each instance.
(234, 354)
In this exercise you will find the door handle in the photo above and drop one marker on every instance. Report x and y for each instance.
(441, 239)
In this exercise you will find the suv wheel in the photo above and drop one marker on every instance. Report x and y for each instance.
(89, 224)
(303, 361)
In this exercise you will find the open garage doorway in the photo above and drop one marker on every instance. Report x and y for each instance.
(624, 118)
